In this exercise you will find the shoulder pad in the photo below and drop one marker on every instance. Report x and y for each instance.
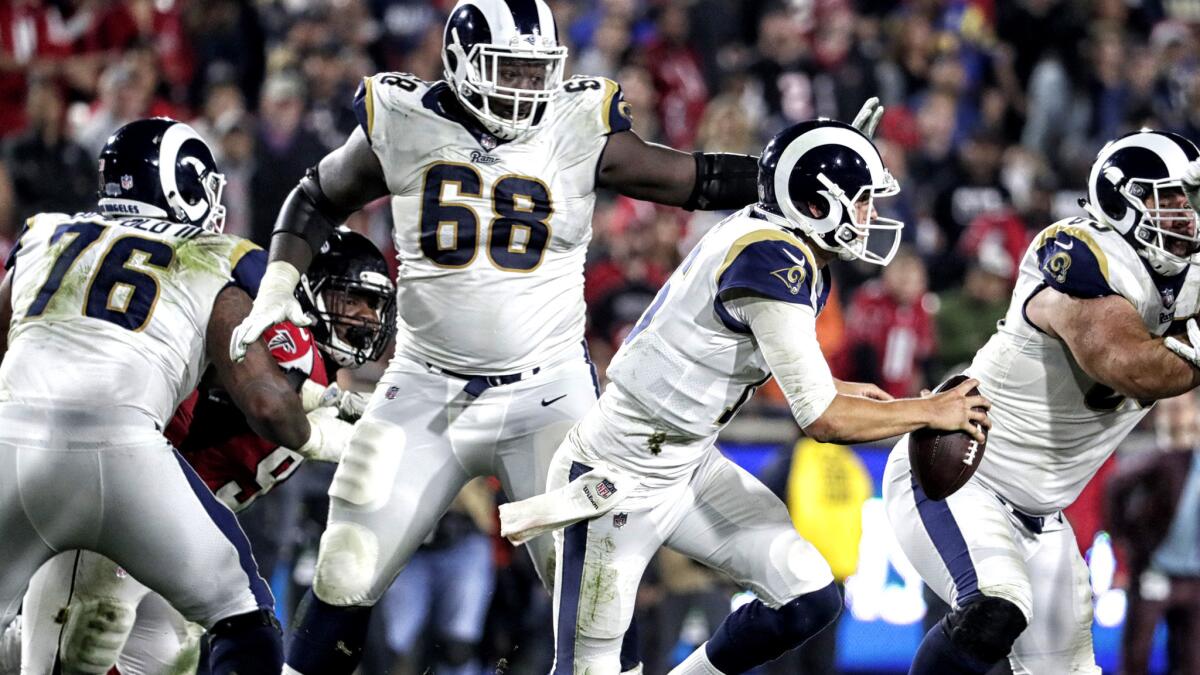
(772, 264)
(386, 91)
(599, 101)
(1072, 259)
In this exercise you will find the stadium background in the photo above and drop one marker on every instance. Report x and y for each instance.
(995, 110)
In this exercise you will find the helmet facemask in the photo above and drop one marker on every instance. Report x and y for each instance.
(343, 329)
(852, 239)
(1166, 225)
(484, 77)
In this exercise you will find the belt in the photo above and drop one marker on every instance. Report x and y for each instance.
(1034, 524)
(477, 384)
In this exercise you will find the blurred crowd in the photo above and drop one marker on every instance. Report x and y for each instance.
(995, 109)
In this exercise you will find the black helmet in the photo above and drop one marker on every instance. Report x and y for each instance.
(480, 35)
(1128, 170)
(349, 268)
(830, 166)
(161, 168)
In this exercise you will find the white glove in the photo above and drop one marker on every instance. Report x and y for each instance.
(1185, 351)
(868, 117)
(276, 302)
(1191, 184)
(349, 404)
(328, 438)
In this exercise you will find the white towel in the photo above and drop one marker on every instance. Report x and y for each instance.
(591, 495)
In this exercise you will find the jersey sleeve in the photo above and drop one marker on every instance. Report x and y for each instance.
(771, 265)
(597, 106)
(293, 348)
(1073, 262)
(248, 263)
(386, 94)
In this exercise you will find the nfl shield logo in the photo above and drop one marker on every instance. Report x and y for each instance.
(488, 142)
(126, 182)
(620, 519)
(605, 488)
(391, 393)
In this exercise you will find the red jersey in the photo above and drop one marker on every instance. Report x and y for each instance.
(214, 437)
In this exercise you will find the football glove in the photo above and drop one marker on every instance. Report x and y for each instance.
(276, 302)
(1185, 351)
(349, 404)
(328, 438)
(868, 117)
(1191, 185)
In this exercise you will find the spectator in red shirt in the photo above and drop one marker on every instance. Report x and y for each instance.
(28, 42)
(678, 77)
(890, 333)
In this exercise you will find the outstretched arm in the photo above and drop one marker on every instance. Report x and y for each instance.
(702, 180)
(1110, 342)
(786, 334)
(708, 181)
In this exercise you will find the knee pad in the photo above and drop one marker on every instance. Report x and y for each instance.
(94, 634)
(246, 643)
(369, 465)
(346, 564)
(457, 652)
(987, 628)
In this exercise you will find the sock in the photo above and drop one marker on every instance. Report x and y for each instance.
(245, 644)
(326, 640)
(756, 634)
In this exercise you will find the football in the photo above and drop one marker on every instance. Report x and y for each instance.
(943, 461)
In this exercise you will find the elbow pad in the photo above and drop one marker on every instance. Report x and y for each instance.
(307, 213)
(723, 181)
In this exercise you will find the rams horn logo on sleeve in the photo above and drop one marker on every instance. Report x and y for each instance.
(625, 110)
(791, 277)
(1058, 264)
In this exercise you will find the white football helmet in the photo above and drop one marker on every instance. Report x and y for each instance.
(1140, 165)
(503, 60)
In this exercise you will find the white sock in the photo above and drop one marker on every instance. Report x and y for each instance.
(696, 663)
(636, 670)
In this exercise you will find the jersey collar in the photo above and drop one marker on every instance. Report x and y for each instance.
(442, 101)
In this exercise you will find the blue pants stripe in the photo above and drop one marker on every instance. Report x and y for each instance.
(574, 551)
(948, 540)
(228, 524)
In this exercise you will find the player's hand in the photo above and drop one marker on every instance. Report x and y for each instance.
(868, 117)
(863, 389)
(958, 410)
(1191, 184)
(350, 405)
(328, 438)
(276, 302)
(1186, 350)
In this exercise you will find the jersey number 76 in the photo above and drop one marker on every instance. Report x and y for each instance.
(118, 292)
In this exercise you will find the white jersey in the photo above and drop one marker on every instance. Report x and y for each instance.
(689, 364)
(1053, 425)
(114, 312)
(491, 235)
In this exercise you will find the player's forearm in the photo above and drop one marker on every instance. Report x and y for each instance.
(1149, 371)
(853, 419)
(273, 412)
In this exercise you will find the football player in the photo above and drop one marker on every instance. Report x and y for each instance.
(642, 468)
(348, 290)
(106, 323)
(493, 175)
(1073, 367)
